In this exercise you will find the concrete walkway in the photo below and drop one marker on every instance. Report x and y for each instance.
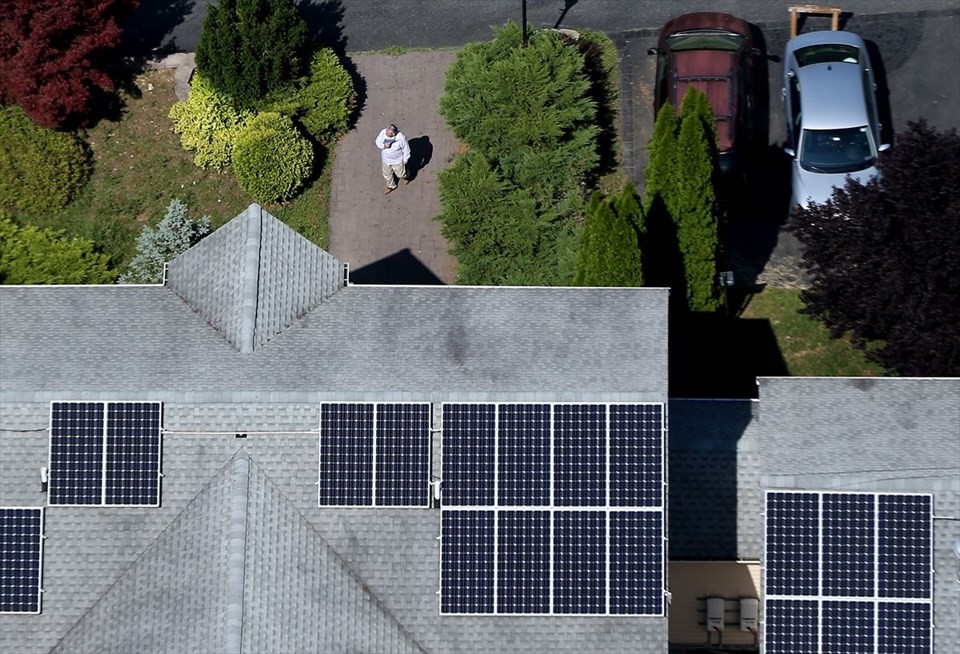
(394, 239)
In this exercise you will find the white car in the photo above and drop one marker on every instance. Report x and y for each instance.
(833, 130)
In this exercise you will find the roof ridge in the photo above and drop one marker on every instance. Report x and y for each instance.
(236, 552)
(253, 218)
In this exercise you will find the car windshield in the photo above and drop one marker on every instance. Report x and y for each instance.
(705, 40)
(836, 150)
(827, 53)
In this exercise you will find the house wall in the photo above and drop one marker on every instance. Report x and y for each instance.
(693, 581)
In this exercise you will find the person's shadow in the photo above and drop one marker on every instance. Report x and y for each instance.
(421, 150)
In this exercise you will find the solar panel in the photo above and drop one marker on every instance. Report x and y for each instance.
(403, 455)
(564, 545)
(636, 455)
(76, 453)
(346, 455)
(524, 454)
(580, 452)
(523, 557)
(21, 556)
(469, 447)
(848, 573)
(466, 562)
(133, 453)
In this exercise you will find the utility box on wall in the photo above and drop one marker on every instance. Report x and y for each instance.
(715, 606)
(749, 607)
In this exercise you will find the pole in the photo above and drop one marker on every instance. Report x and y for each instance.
(523, 21)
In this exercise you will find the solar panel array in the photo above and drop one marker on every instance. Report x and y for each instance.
(374, 454)
(848, 572)
(105, 453)
(21, 556)
(552, 509)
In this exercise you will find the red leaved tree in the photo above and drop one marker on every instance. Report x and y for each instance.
(53, 56)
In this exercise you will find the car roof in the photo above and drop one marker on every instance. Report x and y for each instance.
(831, 96)
(824, 37)
(706, 20)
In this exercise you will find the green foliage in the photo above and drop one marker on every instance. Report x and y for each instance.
(609, 252)
(174, 234)
(271, 159)
(695, 207)
(29, 255)
(661, 169)
(510, 204)
(322, 103)
(41, 170)
(249, 48)
(208, 124)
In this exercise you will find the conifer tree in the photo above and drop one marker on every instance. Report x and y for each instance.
(249, 48)
(609, 252)
(54, 57)
(174, 235)
(661, 170)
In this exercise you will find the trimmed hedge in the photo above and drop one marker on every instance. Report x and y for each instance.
(208, 124)
(271, 159)
(41, 170)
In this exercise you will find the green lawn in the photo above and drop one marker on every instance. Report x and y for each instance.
(139, 167)
(805, 345)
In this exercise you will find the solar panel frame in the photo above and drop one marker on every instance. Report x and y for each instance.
(866, 622)
(477, 449)
(393, 486)
(77, 435)
(472, 533)
(524, 454)
(129, 478)
(453, 501)
(581, 459)
(33, 604)
(346, 454)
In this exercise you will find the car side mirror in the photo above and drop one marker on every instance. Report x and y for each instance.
(883, 147)
(790, 152)
(653, 51)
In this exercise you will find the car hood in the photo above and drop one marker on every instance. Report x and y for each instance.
(818, 187)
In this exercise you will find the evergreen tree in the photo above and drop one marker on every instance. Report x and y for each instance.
(882, 256)
(609, 252)
(54, 56)
(694, 209)
(249, 48)
(660, 174)
(30, 255)
(174, 235)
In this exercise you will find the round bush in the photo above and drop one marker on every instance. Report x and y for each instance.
(271, 159)
(207, 123)
(41, 170)
(322, 103)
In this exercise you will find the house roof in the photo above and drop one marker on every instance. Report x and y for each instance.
(239, 557)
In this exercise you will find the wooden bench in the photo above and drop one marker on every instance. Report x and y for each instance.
(796, 10)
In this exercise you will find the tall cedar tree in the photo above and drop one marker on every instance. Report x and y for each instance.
(249, 48)
(54, 55)
(661, 169)
(883, 260)
(609, 252)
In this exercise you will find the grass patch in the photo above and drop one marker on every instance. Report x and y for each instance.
(805, 344)
(139, 166)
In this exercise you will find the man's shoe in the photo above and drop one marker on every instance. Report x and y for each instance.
(387, 191)
(405, 181)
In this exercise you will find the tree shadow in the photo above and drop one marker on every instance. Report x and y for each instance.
(400, 268)
(421, 151)
(147, 30)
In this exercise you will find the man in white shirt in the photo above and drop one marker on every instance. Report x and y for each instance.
(394, 154)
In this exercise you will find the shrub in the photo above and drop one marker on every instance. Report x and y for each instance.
(609, 252)
(174, 234)
(322, 103)
(55, 56)
(208, 124)
(271, 159)
(41, 170)
(249, 48)
(29, 255)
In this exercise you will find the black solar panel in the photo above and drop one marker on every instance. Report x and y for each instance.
(346, 455)
(575, 550)
(466, 562)
(403, 455)
(580, 455)
(21, 547)
(469, 446)
(76, 453)
(848, 573)
(524, 454)
(133, 453)
(636, 455)
(636, 562)
(523, 557)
